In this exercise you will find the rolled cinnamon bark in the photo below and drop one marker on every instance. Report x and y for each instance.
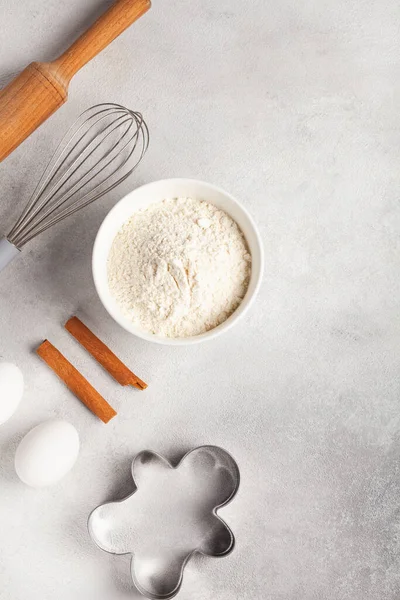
(111, 363)
(76, 382)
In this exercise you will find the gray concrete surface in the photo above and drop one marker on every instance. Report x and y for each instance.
(294, 108)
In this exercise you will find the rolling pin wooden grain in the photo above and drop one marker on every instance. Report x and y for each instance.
(35, 94)
(75, 381)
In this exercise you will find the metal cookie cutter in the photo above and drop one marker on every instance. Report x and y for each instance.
(171, 515)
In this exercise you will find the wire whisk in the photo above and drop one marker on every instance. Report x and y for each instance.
(101, 149)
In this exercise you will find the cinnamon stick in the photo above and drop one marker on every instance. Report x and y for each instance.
(103, 354)
(75, 381)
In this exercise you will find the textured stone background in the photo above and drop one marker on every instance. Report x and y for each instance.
(294, 108)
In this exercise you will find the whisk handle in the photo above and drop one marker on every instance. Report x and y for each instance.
(110, 25)
(7, 252)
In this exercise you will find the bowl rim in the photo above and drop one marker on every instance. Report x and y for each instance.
(242, 309)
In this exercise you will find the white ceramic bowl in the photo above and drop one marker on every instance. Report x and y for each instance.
(155, 192)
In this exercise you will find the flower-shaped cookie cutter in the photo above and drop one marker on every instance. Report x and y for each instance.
(170, 516)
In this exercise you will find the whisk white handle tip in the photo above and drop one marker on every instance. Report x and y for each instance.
(7, 252)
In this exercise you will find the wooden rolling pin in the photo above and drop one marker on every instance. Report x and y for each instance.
(42, 88)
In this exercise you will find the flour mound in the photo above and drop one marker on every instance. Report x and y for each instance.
(179, 267)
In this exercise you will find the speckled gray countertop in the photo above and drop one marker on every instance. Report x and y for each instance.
(294, 108)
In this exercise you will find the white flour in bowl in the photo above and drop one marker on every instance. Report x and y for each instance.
(179, 267)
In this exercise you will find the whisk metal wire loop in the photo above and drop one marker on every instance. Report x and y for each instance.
(45, 181)
(89, 160)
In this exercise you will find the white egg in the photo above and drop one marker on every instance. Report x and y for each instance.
(47, 453)
(11, 390)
